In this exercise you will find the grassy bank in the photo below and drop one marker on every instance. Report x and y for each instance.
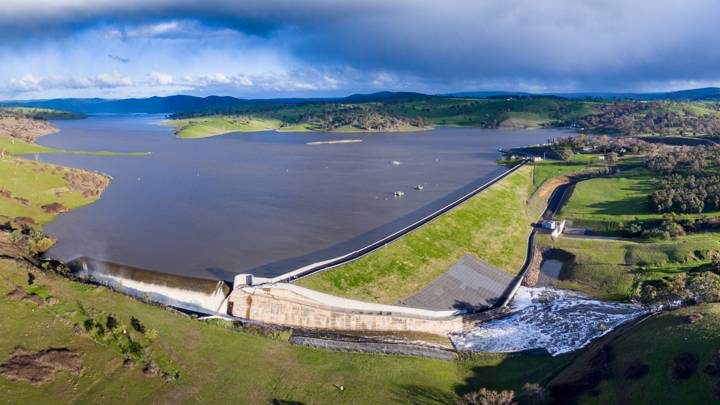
(660, 361)
(203, 127)
(40, 191)
(19, 147)
(45, 113)
(480, 226)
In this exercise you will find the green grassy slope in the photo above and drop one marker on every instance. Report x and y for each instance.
(218, 125)
(608, 269)
(32, 184)
(656, 343)
(480, 226)
(606, 204)
(45, 113)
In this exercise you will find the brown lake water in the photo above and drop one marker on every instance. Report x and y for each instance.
(264, 202)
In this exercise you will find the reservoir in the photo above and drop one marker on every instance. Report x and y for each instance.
(265, 202)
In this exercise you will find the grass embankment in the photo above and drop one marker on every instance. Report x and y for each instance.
(41, 191)
(204, 127)
(247, 367)
(19, 147)
(644, 364)
(45, 113)
(494, 225)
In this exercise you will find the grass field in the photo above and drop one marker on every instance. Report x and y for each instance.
(608, 269)
(218, 125)
(19, 147)
(45, 113)
(479, 226)
(32, 184)
(620, 197)
(548, 169)
(606, 204)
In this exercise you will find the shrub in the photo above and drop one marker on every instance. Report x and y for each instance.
(636, 371)
(488, 397)
(705, 286)
(534, 394)
(135, 323)
(684, 365)
(111, 322)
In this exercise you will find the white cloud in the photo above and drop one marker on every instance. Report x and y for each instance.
(31, 83)
(159, 79)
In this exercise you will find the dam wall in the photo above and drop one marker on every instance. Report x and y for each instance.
(291, 305)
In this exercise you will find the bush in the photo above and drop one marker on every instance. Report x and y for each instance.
(705, 286)
(534, 394)
(135, 323)
(488, 397)
(636, 371)
(684, 365)
(111, 322)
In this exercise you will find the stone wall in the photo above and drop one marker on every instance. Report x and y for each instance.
(290, 305)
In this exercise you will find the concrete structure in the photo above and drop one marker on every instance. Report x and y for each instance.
(469, 283)
(556, 228)
(291, 305)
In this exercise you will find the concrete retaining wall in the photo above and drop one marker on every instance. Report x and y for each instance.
(290, 305)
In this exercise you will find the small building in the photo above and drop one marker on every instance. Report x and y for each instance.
(548, 224)
(536, 158)
(556, 228)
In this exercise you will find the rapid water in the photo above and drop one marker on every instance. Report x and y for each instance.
(557, 321)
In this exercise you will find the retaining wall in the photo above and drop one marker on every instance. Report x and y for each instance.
(295, 306)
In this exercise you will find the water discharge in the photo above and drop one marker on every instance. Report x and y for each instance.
(556, 321)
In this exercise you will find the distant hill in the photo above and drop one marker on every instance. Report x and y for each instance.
(707, 94)
(185, 103)
(383, 96)
(152, 105)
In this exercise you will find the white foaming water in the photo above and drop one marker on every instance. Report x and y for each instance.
(196, 301)
(202, 296)
(557, 321)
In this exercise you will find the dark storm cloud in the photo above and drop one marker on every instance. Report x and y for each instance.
(589, 45)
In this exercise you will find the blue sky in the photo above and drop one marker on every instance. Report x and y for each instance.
(284, 48)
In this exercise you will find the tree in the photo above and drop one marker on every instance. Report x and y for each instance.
(566, 154)
(612, 157)
(716, 261)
